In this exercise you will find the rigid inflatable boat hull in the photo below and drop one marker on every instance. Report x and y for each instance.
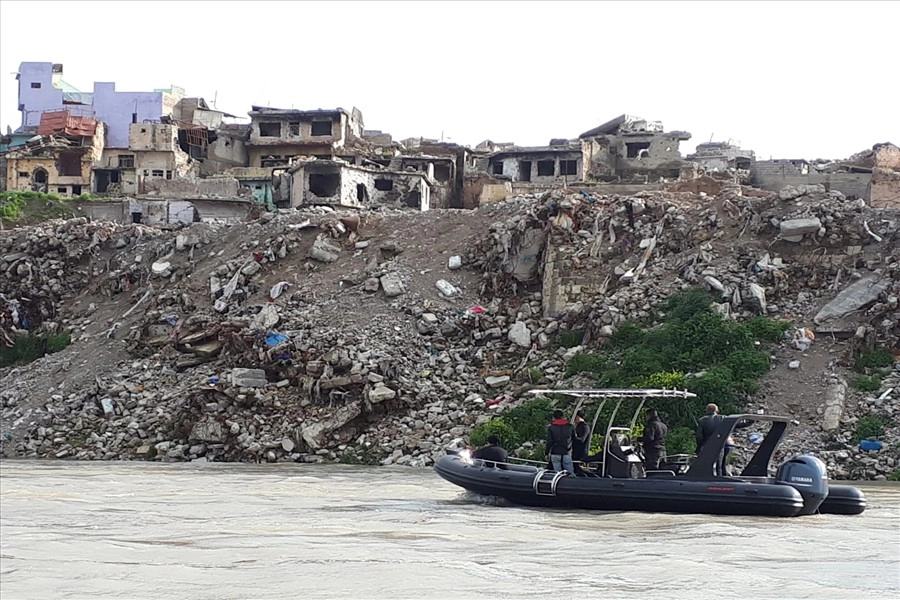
(843, 500)
(653, 494)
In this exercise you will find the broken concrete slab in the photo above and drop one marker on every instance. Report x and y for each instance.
(447, 289)
(834, 405)
(392, 284)
(800, 227)
(496, 382)
(267, 318)
(316, 435)
(854, 297)
(208, 431)
(253, 378)
(323, 250)
(381, 393)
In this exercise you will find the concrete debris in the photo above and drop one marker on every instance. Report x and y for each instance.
(398, 376)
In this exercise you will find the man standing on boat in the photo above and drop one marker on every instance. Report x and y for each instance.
(582, 445)
(706, 429)
(654, 440)
(560, 439)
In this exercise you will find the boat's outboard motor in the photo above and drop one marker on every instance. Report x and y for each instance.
(808, 475)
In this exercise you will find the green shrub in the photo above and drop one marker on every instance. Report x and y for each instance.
(684, 305)
(535, 375)
(586, 363)
(626, 336)
(866, 383)
(570, 339)
(30, 347)
(529, 421)
(876, 358)
(870, 426)
(768, 330)
(480, 433)
(894, 476)
(681, 440)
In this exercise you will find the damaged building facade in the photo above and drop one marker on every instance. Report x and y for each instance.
(277, 136)
(629, 148)
(59, 158)
(552, 165)
(719, 157)
(338, 183)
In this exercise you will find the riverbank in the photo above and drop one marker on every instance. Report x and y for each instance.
(385, 337)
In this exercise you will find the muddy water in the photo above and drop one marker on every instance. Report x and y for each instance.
(131, 530)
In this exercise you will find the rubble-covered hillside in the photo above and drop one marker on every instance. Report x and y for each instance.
(386, 336)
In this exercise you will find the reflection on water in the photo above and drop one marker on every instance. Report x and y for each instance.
(138, 530)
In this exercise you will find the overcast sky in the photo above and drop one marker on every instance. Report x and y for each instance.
(789, 80)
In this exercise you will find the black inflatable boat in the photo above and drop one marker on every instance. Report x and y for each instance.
(615, 479)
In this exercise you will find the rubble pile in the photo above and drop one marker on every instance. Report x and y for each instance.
(386, 335)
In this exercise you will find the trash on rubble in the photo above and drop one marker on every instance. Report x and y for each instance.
(803, 339)
(278, 289)
(172, 320)
(161, 268)
(274, 338)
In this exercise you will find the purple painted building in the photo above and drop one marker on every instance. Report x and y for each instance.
(41, 88)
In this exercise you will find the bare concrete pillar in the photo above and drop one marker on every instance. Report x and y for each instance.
(834, 405)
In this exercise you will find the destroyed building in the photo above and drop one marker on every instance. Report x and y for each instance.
(774, 175)
(59, 159)
(338, 183)
(629, 148)
(552, 164)
(279, 135)
(153, 152)
(721, 156)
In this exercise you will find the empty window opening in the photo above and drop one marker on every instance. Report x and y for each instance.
(23, 174)
(321, 128)
(414, 199)
(168, 174)
(62, 190)
(257, 187)
(294, 127)
(35, 85)
(384, 185)
(143, 130)
(126, 161)
(146, 172)
(157, 173)
(362, 195)
(442, 172)
(76, 190)
(498, 168)
(136, 217)
(568, 167)
(69, 164)
(324, 185)
(269, 129)
(40, 176)
(134, 117)
(114, 177)
(546, 168)
(633, 149)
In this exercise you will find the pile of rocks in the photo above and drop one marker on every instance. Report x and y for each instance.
(303, 336)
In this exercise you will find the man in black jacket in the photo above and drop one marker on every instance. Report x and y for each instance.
(582, 445)
(654, 440)
(706, 429)
(560, 439)
(492, 452)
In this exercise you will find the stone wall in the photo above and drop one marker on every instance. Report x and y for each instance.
(222, 187)
(850, 184)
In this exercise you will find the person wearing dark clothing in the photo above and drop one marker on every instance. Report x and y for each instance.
(654, 440)
(492, 452)
(582, 446)
(729, 444)
(706, 429)
(560, 439)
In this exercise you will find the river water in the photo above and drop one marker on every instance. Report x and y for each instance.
(144, 530)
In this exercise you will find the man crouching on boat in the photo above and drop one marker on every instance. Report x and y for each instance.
(560, 438)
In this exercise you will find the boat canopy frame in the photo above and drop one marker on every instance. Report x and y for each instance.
(621, 394)
(708, 456)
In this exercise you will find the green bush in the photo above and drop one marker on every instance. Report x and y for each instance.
(681, 440)
(626, 336)
(876, 358)
(870, 426)
(480, 433)
(529, 421)
(768, 330)
(894, 476)
(684, 305)
(866, 383)
(30, 347)
(586, 363)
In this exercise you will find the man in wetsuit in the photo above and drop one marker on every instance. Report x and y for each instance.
(560, 439)
(654, 440)
(492, 452)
